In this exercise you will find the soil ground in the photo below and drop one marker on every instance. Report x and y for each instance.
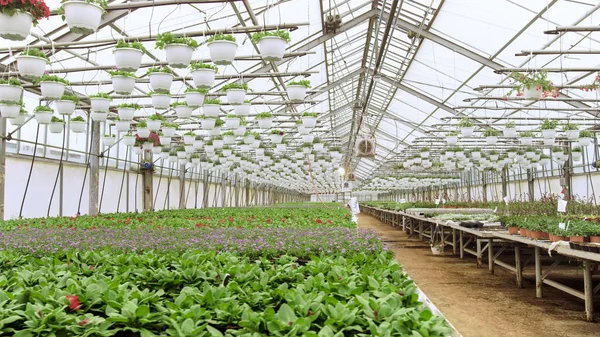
(479, 304)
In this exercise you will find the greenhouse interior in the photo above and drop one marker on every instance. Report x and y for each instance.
(421, 168)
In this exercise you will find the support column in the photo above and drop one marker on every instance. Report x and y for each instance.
(484, 187)
(530, 185)
(94, 168)
(147, 168)
(181, 186)
(567, 181)
(504, 177)
(3, 122)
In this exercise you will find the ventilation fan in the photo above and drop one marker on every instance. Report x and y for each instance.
(365, 147)
(350, 177)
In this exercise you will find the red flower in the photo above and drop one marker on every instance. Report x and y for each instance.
(268, 220)
(319, 221)
(74, 303)
(84, 322)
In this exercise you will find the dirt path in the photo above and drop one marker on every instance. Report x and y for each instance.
(483, 305)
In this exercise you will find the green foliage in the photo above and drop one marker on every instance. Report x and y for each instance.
(219, 122)
(491, 132)
(50, 78)
(221, 37)
(128, 106)
(303, 83)
(577, 149)
(157, 117)
(452, 134)
(198, 90)
(142, 124)
(160, 92)
(34, 52)
(73, 98)
(101, 95)
(310, 114)
(77, 119)
(11, 81)
(570, 127)
(466, 123)
(586, 134)
(528, 134)
(117, 72)
(510, 125)
(164, 69)
(276, 132)
(282, 34)
(165, 39)
(549, 124)
(264, 115)
(43, 108)
(537, 80)
(176, 104)
(243, 86)
(56, 120)
(197, 65)
(215, 101)
(134, 45)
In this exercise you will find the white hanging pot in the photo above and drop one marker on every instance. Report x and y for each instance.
(309, 122)
(222, 52)
(189, 139)
(122, 125)
(451, 140)
(128, 59)
(276, 138)
(467, 132)
(179, 55)
(123, 85)
(160, 81)
(100, 104)
(229, 139)
(318, 147)
(265, 123)
(216, 131)
(128, 140)
(259, 152)
(510, 132)
(126, 114)
(218, 144)
(153, 125)
(296, 93)
(99, 116)
(281, 147)
(109, 141)
(527, 141)
(56, 127)
(308, 138)
(16, 27)
(198, 144)
(65, 107)
(572, 134)
(147, 146)
(532, 93)
(208, 123)
(235, 96)
(491, 140)
(242, 109)
(164, 155)
(183, 111)
(576, 156)
(476, 155)
(168, 132)
(549, 134)
(10, 110)
(232, 123)
(548, 141)
(165, 140)
(137, 151)
(156, 149)
(52, 90)
(303, 130)
(82, 17)
(255, 144)
(31, 66)
(272, 48)
(585, 141)
(161, 101)
(203, 78)
(10, 93)
(249, 139)
(194, 98)
(43, 117)
(77, 126)
(143, 132)
(211, 110)
(209, 148)
(18, 120)
(240, 131)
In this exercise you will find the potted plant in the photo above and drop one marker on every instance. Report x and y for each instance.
(100, 102)
(56, 125)
(155, 121)
(122, 125)
(169, 129)
(209, 147)
(43, 114)
(129, 139)
(529, 153)
(264, 120)
(424, 152)
(208, 122)
(232, 121)
(242, 109)
(83, 17)
(189, 138)
(229, 137)
(467, 127)
(66, 104)
(17, 17)
(527, 138)
(126, 111)
(123, 81)
(578, 231)
(198, 143)
(236, 93)
(510, 130)
(491, 136)
(585, 137)
(128, 56)
(10, 109)
(309, 120)
(296, 90)
(241, 130)
(109, 140)
(10, 90)
(218, 142)
(494, 155)
(166, 141)
(532, 85)
(20, 118)
(222, 48)
(272, 44)
(276, 136)
(216, 131)
(160, 78)
(256, 142)
(51, 86)
(31, 63)
(195, 96)
(203, 74)
(576, 153)
(281, 147)
(77, 124)
(544, 159)
(308, 138)
(182, 110)
(161, 99)
(179, 49)
(317, 144)
(548, 128)
(452, 137)
(142, 129)
(212, 107)
(571, 130)
(248, 138)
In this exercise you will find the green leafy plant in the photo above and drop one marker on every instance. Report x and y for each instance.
(310, 114)
(548, 124)
(77, 119)
(233, 116)
(11, 81)
(56, 120)
(219, 122)
(50, 78)
(37, 9)
(197, 65)
(577, 149)
(264, 115)
(164, 69)
(176, 104)
(133, 45)
(117, 72)
(198, 90)
(34, 52)
(128, 106)
(73, 98)
(510, 125)
(42, 108)
(282, 34)
(302, 83)
(242, 86)
(214, 101)
(221, 37)
(142, 124)
(157, 117)
(276, 132)
(570, 127)
(165, 39)
(160, 92)
(528, 134)
(452, 134)
(536, 80)
(586, 134)
(101, 95)
(491, 132)
(466, 123)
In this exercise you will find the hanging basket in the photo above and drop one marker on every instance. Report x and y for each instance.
(308, 138)
(272, 48)
(160, 81)
(222, 52)
(31, 66)
(232, 123)
(240, 131)
(549, 134)
(15, 27)
(147, 145)
(43, 117)
(128, 59)
(100, 104)
(128, 140)
(576, 156)
(122, 125)
(126, 114)
(10, 110)
(109, 141)
(235, 96)
(216, 131)
(242, 109)
(572, 134)
(179, 55)
(153, 125)
(211, 110)
(161, 101)
(143, 132)
(123, 85)
(276, 139)
(165, 140)
(99, 116)
(52, 90)
(585, 141)
(309, 122)
(510, 132)
(527, 141)
(452, 140)
(491, 140)
(208, 123)
(203, 78)
(318, 147)
(56, 127)
(10, 93)
(532, 93)
(77, 126)
(264, 123)
(195, 99)
(296, 93)
(467, 132)
(183, 111)
(65, 107)
(18, 120)
(168, 132)
(82, 17)
(229, 139)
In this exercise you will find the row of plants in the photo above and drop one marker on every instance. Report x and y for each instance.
(554, 228)
(398, 206)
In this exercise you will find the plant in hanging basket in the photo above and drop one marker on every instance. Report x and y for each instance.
(548, 124)
(489, 132)
(13, 81)
(571, 130)
(272, 44)
(17, 17)
(51, 86)
(10, 90)
(165, 39)
(264, 115)
(83, 16)
(222, 48)
(532, 85)
(179, 50)
(128, 56)
(466, 127)
(214, 101)
(199, 65)
(119, 72)
(203, 74)
(43, 108)
(77, 119)
(102, 95)
(134, 106)
(31, 63)
(66, 104)
(593, 86)
(160, 78)
(131, 45)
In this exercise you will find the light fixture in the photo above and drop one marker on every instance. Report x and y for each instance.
(341, 171)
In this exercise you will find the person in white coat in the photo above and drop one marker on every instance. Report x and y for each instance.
(354, 208)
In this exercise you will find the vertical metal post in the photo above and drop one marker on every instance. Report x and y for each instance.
(538, 273)
(518, 267)
(147, 182)
(3, 122)
(530, 185)
(588, 291)
(504, 177)
(484, 186)
(181, 186)
(94, 168)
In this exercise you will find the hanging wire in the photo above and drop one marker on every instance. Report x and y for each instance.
(37, 134)
(60, 169)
